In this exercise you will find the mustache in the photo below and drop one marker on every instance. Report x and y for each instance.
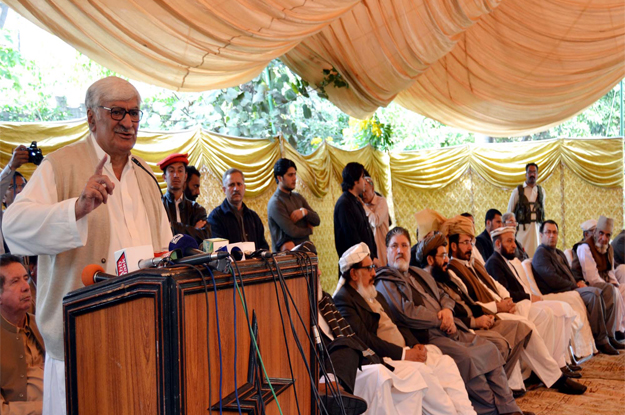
(123, 130)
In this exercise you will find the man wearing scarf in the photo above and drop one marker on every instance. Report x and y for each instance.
(553, 275)
(440, 390)
(596, 261)
(418, 304)
(509, 336)
(546, 350)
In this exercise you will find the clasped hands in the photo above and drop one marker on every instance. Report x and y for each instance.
(447, 321)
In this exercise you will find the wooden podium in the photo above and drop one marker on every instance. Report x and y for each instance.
(137, 344)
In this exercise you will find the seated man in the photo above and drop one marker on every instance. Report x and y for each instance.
(618, 247)
(501, 269)
(417, 303)
(509, 336)
(368, 314)
(553, 275)
(234, 221)
(508, 219)
(22, 352)
(185, 217)
(546, 350)
(290, 217)
(192, 186)
(596, 262)
(483, 242)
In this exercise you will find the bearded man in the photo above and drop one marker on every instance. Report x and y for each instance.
(545, 353)
(418, 304)
(368, 314)
(596, 261)
(509, 336)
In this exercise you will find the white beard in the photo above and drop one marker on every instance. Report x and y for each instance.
(602, 248)
(367, 292)
(402, 265)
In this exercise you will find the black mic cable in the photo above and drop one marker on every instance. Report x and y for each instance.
(138, 163)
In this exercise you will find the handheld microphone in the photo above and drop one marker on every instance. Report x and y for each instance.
(259, 253)
(155, 262)
(94, 273)
(202, 258)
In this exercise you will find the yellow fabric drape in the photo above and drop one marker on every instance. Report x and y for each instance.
(498, 67)
(582, 178)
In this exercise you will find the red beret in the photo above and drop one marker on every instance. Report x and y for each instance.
(173, 158)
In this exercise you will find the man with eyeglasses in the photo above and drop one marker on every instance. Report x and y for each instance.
(545, 352)
(83, 203)
(416, 303)
(423, 380)
(554, 275)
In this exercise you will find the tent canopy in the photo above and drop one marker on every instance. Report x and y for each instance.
(501, 68)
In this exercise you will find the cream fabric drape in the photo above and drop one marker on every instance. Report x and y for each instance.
(499, 67)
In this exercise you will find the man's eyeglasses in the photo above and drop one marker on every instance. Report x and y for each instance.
(119, 113)
(467, 242)
(369, 267)
(445, 255)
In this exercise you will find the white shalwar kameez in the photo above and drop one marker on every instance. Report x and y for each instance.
(545, 352)
(434, 387)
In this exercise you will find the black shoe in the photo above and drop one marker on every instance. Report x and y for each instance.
(574, 368)
(517, 393)
(569, 386)
(566, 371)
(616, 344)
(619, 335)
(607, 349)
(353, 404)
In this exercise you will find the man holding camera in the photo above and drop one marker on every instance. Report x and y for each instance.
(84, 202)
(10, 184)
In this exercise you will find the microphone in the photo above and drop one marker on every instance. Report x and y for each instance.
(186, 244)
(94, 273)
(202, 258)
(259, 253)
(156, 261)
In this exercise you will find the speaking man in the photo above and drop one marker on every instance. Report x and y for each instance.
(84, 202)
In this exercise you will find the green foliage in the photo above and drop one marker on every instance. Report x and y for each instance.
(331, 77)
(370, 131)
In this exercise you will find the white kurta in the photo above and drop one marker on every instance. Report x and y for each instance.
(592, 277)
(377, 214)
(569, 303)
(413, 388)
(47, 226)
(527, 234)
(544, 357)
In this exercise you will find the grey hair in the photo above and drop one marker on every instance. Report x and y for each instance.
(110, 88)
(507, 216)
(229, 172)
(398, 230)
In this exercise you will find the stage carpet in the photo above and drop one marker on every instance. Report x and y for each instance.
(605, 377)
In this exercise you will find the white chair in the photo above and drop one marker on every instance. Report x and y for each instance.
(527, 266)
(569, 256)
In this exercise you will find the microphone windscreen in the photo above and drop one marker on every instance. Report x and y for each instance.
(88, 272)
(183, 242)
(236, 253)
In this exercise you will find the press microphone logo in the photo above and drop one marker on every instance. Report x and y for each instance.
(177, 238)
(122, 265)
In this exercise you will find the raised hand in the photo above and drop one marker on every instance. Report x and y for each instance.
(96, 191)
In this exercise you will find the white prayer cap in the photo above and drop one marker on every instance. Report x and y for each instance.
(502, 230)
(353, 255)
(589, 225)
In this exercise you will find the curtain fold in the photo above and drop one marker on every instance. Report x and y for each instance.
(498, 67)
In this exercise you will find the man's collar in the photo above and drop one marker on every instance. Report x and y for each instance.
(229, 208)
(463, 262)
(100, 153)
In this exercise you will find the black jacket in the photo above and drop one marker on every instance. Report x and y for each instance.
(365, 322)
(484, 244)
(498, 268)
(190, 213)
(551, 271)
(224, 224)
(351, 225)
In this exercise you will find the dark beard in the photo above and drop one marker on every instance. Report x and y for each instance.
(189, 196)
(440, 275)
(508, 256)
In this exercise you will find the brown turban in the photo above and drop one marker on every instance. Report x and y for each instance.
(428, 245)
(458, 225)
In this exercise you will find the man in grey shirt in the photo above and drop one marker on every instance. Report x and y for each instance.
(291, 219)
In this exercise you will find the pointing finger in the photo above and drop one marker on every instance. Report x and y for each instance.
(100, 166)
